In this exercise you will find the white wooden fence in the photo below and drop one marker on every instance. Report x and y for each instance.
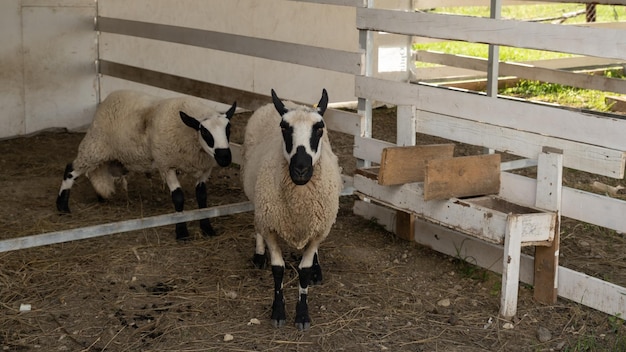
(228, 50)
(584, 141)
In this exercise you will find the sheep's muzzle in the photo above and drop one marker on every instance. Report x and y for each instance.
(223, 156)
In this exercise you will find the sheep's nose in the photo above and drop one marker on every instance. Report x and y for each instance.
(301, 167)
(223, 156)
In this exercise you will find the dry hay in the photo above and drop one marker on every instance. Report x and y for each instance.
(143, 291)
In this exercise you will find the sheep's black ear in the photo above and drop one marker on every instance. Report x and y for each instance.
(278, 104)
(321, 106)
(231, 111)
(190, 121)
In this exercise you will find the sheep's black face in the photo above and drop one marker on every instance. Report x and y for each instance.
(214, 134)
(302, 132)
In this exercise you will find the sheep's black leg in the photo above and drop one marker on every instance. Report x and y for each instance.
(303, 321)
(64, 194)
(201, 197)
(178, 198)
(278, 307)
(259, 259)
(316, 271)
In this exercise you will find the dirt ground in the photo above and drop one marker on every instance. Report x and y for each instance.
(143, 291)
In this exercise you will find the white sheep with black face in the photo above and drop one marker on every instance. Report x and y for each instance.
(292, 176)
(133, 131)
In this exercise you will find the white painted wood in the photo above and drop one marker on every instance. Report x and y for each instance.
(303, 23)
(429, 4)
(11, 70)
(570, 39)
(324, 58)
(439, 73)
(59, 67)
(354, 3)
(121, 226)
(370, 149)
(58, 3)
(531, 117)
(592, 292)
(383, 216)
(576, 204)
(579, 156)
(517, 164)
(511, 267)
(575, 286)
(581, 80)
(309, 24)
(474, 217)
(406, 125)
(343, 121)
(549, 181)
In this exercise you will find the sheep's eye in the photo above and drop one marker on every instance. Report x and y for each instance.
(284, 126)
(319, 128)
(207, 136)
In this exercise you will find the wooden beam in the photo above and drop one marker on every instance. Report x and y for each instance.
(324, 58)
(569, 124)
(549, 190)
(609, 43)
(405, 225)
(121, 226)
(400, 165)
(526, 71)
(210, 91)
(467, 176)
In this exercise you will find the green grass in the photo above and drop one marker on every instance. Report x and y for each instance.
(604, 13)
(546, 92)
(563, 95)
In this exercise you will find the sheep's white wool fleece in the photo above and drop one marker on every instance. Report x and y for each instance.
(145, 133)
(296, 214)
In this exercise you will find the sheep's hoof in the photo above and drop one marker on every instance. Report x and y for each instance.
(207, 229)
(303, 321)
(303, 326)
(182, 234)
(259, 260)
(278, 314)
(278, 323)
(63, 202)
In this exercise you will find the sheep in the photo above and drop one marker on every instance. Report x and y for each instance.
(133, 131)
(292, 177)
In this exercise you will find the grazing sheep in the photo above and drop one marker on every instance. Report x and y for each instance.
(133, 131)
(292, 176)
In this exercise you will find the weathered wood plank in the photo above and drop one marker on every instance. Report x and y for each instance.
(353, 3)
(616, 103)
(121, 226)
(429, 4)
(576, 204)
(370, 149)
(483, 217)
(324, 58)
(405, 225)
(407, 164)
(575, 286)
(576, 155)
(467, 176)
(525, 116)
(601, 42)
(581, 80)
(549, 191)
(205, 90)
